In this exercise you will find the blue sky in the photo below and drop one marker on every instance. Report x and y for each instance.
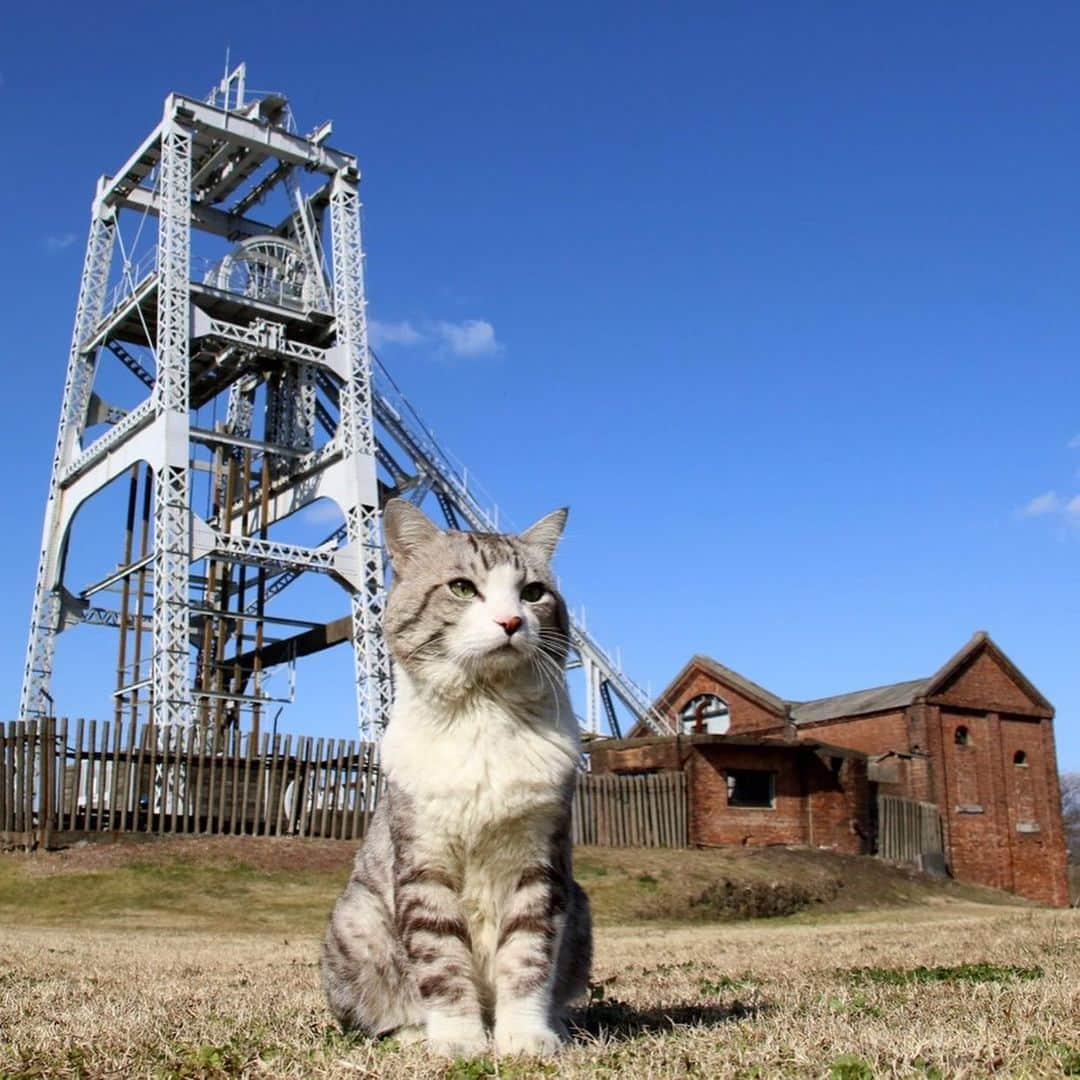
(780, 298)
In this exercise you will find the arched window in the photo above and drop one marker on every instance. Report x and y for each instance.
(1019, 758)
(704, 714)
(961, 736)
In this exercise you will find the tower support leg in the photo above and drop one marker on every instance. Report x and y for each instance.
(45, 611)
(172, 540)
(357, 435)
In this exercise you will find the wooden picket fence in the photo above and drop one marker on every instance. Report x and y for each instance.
(62, 781)
(631, 811)
(908, 830)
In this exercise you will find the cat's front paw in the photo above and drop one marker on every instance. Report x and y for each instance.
(530, 1041)
(456, 1038)
(410, 1035)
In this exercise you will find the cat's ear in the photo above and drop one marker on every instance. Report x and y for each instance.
(546, 532)
(406, 528)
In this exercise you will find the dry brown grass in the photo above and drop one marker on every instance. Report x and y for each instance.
(757, 999)
(627, 885)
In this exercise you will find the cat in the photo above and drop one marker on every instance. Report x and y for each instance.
(462, 915)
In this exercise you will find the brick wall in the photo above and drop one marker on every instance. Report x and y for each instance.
(1003, 818)
(638, 755)
(924, 744)
(971, 803)
(813, 805)
(900, 730)
(747, 715)
(713, 822)
(820, 801)
(841, 808)
(874, 734)
(985, 685)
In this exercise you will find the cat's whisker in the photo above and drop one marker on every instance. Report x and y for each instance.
(543, 673)
(433, 640)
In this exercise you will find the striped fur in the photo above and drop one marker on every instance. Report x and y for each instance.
(461, 920)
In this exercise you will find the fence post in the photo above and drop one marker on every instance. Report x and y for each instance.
(47, 774)
(4, 775)
(29, 767)
(283, 785)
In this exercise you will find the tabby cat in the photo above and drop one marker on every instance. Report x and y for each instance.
(461, 916)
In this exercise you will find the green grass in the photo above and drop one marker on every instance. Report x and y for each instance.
(961, 973)
(177, 893)
(289, 886)
(850, 1067)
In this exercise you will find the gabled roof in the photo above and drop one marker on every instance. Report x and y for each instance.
(901, 694)
(981, 641)
(877, 699)
(722, 674)
(862, 702)
(739, 682)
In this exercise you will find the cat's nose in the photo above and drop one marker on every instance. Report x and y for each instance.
(510, 624)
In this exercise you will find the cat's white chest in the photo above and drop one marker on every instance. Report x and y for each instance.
(486, 789)
(484, 772)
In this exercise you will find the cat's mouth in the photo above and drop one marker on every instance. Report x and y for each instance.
(505, 652)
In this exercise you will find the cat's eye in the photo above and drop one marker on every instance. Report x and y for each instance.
(463, 589)
(532, 592)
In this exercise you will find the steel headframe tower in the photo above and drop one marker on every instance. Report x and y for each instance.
(265, 334)
(259, 326)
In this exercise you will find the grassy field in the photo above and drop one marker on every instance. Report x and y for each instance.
(200, 959)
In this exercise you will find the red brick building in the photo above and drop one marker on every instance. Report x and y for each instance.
(757, 790)
(975, 738)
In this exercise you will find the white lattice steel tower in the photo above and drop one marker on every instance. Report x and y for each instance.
(259, 325)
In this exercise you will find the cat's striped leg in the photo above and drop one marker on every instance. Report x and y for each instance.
(525, 960)
(436, 938)
(366, 988)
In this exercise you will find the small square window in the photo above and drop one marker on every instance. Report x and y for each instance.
(751, 787)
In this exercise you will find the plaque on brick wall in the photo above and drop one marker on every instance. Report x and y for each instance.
(969, 808)
(1028, 827)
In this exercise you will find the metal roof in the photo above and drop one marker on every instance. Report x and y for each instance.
(876, 699)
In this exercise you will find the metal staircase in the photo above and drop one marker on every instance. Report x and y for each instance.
(433, 470)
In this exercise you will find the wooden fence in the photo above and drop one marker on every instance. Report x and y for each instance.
(61, 781)
(908, 830)
(631, 811)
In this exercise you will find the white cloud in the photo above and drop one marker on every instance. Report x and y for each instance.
(1050, 504)
(59, 241)
(393, 333)
(1074, 443)
(472, 337)
(1047, 503)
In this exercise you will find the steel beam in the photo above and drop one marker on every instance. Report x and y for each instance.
(203, 217)
(265, 139)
